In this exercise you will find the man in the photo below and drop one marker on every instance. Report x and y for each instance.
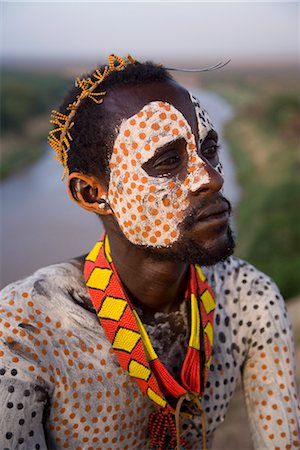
(160, 368)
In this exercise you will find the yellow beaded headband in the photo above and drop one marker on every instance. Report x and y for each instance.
(60, 137)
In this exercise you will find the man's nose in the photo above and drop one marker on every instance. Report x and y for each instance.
(206, 180)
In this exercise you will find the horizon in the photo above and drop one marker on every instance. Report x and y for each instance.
(194, 33)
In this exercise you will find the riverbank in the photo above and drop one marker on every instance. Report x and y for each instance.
(26, 102)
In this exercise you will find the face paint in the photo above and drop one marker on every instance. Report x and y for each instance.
(150, 209)
(204, 125)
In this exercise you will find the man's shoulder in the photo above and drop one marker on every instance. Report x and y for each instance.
(234, 268)
(47, 283)
(240, 280)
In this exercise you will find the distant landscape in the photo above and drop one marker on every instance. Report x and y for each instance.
(263, 139)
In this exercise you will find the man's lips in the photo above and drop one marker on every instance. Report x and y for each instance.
(214, 212)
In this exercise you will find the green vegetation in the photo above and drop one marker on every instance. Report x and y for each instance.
(264, 140)
(26, 102)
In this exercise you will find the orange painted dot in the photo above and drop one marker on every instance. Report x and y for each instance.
(175, 131)
(127, 133)
(25, 294)
(155, 126)
(155, 138)
(142, 136)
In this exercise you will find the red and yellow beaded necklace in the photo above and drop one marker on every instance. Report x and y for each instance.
(135, 352)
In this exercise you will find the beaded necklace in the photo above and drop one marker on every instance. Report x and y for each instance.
(136, 354)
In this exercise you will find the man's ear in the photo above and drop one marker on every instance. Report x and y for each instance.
(88, 192)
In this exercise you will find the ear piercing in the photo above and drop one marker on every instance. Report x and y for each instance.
(103, 203)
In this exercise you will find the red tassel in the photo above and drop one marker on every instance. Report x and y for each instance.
(162, 429)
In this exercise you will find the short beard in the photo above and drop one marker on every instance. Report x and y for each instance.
(191, 251)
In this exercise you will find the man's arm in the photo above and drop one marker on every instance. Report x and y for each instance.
(23, 390)
(269, 374)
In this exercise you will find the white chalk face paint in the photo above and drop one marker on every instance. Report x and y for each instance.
(150, 209)
(204, 125)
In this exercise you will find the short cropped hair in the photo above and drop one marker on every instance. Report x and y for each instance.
(94, 130)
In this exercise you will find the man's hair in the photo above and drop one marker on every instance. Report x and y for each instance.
(94, 130)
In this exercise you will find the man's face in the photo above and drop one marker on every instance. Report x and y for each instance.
(161, 168)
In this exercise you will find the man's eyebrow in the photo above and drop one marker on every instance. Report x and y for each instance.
(165, 147)
(212, 134)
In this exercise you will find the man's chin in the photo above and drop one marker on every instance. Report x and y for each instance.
(193, 251)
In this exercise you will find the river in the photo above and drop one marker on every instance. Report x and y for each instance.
(40, 225)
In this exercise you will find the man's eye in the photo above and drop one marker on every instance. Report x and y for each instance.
(210, 152)
(170, 159)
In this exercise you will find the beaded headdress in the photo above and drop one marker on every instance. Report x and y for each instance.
(60, 137)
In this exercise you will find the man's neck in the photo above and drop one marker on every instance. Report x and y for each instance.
(152, 285)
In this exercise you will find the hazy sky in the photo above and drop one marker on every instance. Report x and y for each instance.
(160, 30)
